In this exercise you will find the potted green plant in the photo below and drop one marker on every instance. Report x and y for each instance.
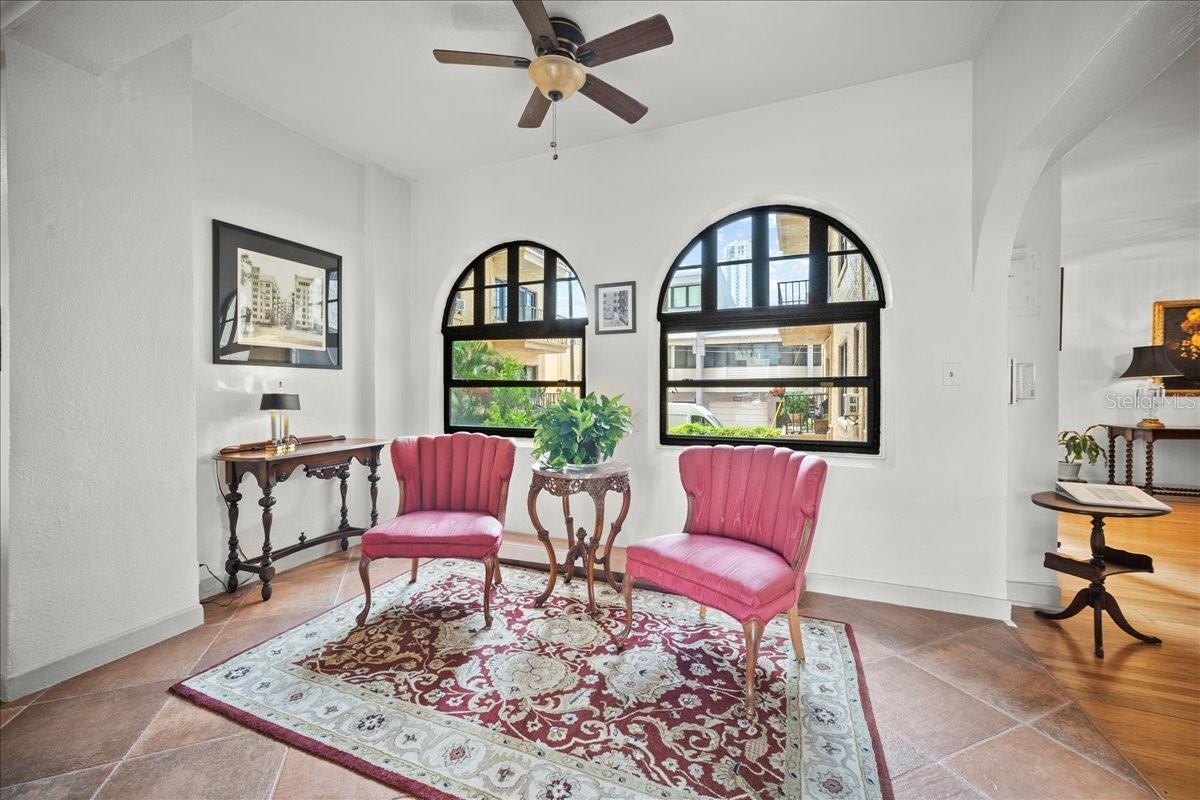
(579, 432)
(1077, 446)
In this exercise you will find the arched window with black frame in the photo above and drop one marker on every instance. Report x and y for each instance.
(769, 324)
(513, 334)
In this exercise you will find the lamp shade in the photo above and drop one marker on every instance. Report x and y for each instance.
(276, 401)
(1150, 362)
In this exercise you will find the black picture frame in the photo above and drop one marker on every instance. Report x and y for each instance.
(227, 239)
(631, 286)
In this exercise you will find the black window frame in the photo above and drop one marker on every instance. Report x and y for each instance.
(548, 327)
(819, 310)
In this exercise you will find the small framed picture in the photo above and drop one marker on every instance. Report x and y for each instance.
(275, 302)
(616, 308)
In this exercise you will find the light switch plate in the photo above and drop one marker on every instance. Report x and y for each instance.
(951, 373)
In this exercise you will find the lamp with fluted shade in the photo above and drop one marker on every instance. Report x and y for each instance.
(1151, 362)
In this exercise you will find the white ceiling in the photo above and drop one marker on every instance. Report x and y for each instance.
(1131, 189)
(359, 76)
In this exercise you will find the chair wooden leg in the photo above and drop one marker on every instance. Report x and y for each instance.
(794, 625)
(489, 574)
(703, 612)
(364, 572)
(753, 631)
(627, 593)
(499, 577)
(413, 577)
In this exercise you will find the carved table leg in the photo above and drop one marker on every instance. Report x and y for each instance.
(589, 554)
(1112, 457)
(544, 536)
(268, 571)
(572, 542)
(1129, 460)
(231, 563)
(343, 480)
(612, 537)
(373, 477)
(1149, 464)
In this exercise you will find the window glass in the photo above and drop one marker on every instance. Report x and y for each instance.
(734, 241)
(495, 267)
(787, 235)
(531, 264)
(462, 308)
(850, 279)
(569, 302)
(495, 307)
(692, 257)
(530, 301)
(735, 286)
(840, 241)
(518, 360)
(789, 281)
(683, 291)
(506, 407)
(751, 354)
(803, 416)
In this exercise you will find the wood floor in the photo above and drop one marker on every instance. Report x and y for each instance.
(1146, 698)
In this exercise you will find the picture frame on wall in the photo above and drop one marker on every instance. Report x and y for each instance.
(275, 302)
(1176, 325)
(616, 307)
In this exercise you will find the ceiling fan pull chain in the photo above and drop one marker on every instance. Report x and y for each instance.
(554, 130)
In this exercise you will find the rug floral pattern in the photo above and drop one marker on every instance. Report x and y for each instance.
(542, 706)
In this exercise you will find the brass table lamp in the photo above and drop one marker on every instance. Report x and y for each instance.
(1151, 362)
(279, 404)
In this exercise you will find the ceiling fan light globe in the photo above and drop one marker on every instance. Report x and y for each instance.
(556, 75)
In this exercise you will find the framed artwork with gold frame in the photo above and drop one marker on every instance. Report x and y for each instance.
(1177, 326)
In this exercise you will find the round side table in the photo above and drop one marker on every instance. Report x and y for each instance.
(611, 476)
(1105, 561)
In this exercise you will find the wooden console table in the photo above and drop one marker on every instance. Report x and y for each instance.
(610, 477)
(324, 460)
(1131, 433)
(1105, 561)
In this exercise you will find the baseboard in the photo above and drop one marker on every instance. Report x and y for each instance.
(39, 678)
(1034, 595)
(915, 596)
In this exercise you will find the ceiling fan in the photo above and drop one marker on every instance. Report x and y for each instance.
(563, 58)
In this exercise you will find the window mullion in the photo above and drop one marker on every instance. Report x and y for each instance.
(550, 287)
(818, 261)
(708, 271)
(760, 281)
(478, 291)
(513, 296)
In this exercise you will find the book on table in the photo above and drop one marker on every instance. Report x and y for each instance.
(1100, 494)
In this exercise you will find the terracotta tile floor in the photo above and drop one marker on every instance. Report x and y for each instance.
(964, 708)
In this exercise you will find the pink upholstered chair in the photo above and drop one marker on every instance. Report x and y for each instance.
(751, 515)
(453, 490)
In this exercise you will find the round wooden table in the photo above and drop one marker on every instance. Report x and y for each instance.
(612, 476)
(1105, 561)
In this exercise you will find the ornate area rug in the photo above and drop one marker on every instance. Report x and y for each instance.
(543, 707)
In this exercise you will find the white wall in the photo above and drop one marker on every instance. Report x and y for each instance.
(102, 386)
(1131, 236)
(892, 159)
(254, 172)
(1032, 319)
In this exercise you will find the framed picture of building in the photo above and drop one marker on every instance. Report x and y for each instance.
(616, 311)
(275, 302)
(1176, 325)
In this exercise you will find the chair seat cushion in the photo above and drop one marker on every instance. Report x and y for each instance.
(434, 534)
(739, 578)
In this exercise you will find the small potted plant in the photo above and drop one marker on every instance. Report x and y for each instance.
(577, 433)
(1077, 446)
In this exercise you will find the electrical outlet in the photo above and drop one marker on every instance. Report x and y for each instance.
(951, 373)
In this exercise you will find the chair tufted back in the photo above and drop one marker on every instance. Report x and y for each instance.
(755, 493)
(453, 472)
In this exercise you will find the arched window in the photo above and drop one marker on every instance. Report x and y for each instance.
(513, 339)
(770, 333)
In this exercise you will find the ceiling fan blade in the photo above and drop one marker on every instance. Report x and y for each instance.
(479, 59)
(533, 12)
(630, 40)
(613, 99)
(535, 111)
